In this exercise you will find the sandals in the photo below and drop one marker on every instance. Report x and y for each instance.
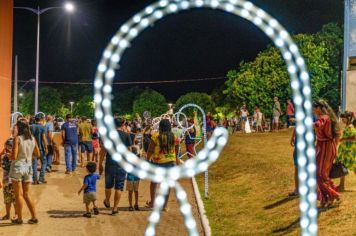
(16, 221)
(32, 221)
(137, 208)
(107, 205)
(96, 211)
(87, 215)
(114, 213)
(6, 217)
(149, 205)
(131, 209)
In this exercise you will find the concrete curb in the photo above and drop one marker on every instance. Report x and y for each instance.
(203, 218)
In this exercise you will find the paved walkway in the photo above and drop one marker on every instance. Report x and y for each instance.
(60, 211)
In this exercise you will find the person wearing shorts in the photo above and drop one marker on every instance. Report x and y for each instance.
(89, 187)
(132, 184)
(25, 147)
(85, 140)
(115, 175)
(162, 154)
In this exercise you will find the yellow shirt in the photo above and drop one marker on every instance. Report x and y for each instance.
(158, 155)
(85, 132)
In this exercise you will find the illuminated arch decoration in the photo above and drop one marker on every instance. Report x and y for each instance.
(177, 115)
(14, 117)
(300, 84)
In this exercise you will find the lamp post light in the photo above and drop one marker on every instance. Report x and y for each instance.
(19, 93)
(69, 7)
(71, 107)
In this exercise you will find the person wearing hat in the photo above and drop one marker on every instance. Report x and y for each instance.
(39, 132)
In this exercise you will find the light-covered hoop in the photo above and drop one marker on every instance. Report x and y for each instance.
(300, 84)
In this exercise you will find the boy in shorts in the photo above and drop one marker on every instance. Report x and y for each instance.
(89, 187)
(132, 184)
(9, 196)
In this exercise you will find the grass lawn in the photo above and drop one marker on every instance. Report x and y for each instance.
(248, 186)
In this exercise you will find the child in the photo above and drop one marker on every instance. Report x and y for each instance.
(347, 147)
(89, 187)
(190, 139)
(95, 138)
(9, 196)
(132, 184)
(295, 158)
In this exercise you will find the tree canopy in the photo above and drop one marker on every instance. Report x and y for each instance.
(201, 99)
(258, 81)
(150, 100)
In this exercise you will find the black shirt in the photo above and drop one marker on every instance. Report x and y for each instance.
(126, 140)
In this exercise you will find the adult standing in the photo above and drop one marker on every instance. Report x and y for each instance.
(115, 175)
(244, 118)
(70, 143)
(276, 112)
(24, 149)
(85, 140)
(290, 112)
(326, 139)
(49, 128)
(161, 152)
(39, 132)
(209, 124)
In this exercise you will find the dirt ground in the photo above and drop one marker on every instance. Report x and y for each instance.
(60, 211)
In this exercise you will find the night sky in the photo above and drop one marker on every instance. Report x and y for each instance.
(193, 44)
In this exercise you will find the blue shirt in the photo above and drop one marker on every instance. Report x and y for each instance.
(90, 182)
(71, 133)
(37, 131)
(49, 128)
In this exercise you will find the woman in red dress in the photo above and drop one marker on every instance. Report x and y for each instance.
(326, 139)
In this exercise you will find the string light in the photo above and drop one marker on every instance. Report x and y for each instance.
(301, 93)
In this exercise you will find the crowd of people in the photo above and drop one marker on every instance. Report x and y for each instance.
(40, 138)
(257, 121)
(36, 141)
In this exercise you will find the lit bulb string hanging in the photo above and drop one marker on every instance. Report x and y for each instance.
(300, 84)
(134, 82)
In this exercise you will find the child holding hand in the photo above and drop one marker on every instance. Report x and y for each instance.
(89, 187)
(9, 196)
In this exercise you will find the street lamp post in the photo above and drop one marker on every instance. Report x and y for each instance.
(71, 107)
(18, 92)
(69, 7)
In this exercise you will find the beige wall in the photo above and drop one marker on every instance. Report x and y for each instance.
(351, 90)
(6, 27)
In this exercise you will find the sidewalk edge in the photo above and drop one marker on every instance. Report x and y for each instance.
(203, 218)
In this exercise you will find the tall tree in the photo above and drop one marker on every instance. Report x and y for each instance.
(123, 101)
(152, 101)
(258, 81)
(201, 99)
(84, 107)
